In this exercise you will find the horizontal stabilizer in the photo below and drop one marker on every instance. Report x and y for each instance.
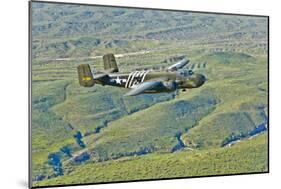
(98, 76)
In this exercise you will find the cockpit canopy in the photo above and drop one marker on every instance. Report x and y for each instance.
(185, 72)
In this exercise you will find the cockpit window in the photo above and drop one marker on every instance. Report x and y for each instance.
(186, 72)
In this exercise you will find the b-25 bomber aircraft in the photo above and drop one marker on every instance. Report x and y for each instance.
(172, 79)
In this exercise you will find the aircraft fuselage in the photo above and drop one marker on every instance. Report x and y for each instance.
(130, 80)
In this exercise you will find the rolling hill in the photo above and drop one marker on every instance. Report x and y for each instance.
(220, 128)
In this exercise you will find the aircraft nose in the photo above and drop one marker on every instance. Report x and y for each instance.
(202, 78)
(199, 80)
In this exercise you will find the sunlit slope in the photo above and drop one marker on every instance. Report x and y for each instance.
(115, 126)
(245, 157)
(91, 109)
(49, 131)
(61, 108)
(79, 31)
(241, 86)
(152, 129)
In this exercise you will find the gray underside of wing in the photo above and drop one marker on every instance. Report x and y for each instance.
(178, 65)
(141, 88)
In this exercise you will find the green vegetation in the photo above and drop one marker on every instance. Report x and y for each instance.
(245, 157)
(77, 130)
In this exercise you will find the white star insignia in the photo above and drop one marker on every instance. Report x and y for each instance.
(118, 80)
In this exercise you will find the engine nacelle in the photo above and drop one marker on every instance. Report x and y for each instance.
(170, 85)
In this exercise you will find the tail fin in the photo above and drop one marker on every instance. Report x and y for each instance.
(85, 75)
(109, 63)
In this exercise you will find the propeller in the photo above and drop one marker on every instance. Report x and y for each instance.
(196, 66)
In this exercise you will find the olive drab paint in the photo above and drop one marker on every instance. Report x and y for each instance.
(148, 81)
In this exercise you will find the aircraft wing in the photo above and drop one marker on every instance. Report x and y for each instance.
(141, 88)
(178, 65)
